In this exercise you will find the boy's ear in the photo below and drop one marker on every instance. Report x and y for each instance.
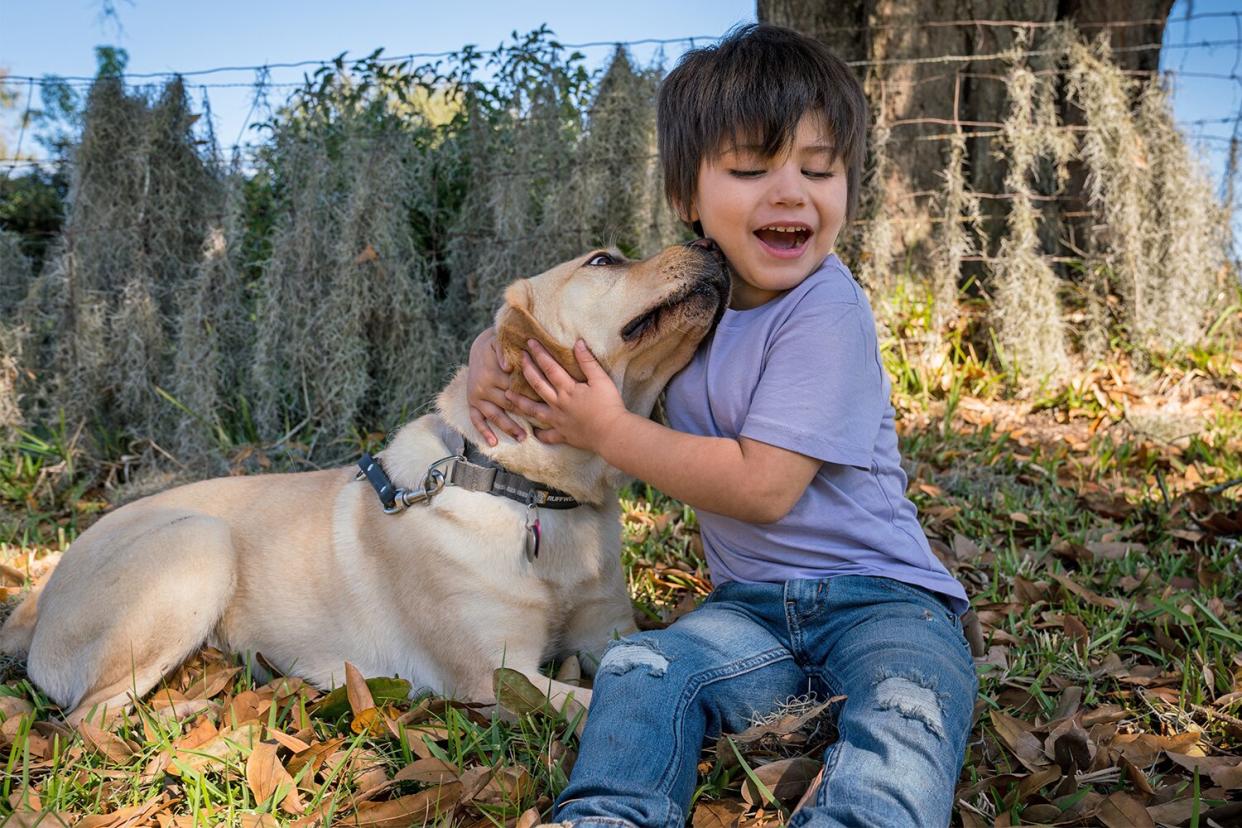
(515, 324)
(686, 212)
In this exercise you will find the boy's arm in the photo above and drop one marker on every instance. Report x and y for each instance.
(744, 479)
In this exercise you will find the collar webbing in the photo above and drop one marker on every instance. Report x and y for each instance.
(468, 469)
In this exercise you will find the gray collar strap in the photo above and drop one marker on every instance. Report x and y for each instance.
(479, 473)
(468, 469)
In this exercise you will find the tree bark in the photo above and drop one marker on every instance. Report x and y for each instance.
(920, 100)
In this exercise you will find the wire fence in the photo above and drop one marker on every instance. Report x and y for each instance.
(1219, 146)
(181, 273)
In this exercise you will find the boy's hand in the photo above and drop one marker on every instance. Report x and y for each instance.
(578, 413)
(487, 380)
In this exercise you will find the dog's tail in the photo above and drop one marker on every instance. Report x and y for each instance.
(18, 630)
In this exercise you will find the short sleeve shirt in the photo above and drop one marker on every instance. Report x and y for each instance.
(802, 372)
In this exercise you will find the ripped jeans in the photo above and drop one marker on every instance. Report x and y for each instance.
(896, 651)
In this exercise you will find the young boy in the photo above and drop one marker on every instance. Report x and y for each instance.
(782, 438)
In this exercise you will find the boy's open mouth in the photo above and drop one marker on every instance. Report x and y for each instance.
(784, 236)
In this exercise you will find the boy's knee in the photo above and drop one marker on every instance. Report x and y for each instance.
(634, 654)
(912, 696)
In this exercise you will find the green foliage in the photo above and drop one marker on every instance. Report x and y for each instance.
(32, 205)
(321, 289)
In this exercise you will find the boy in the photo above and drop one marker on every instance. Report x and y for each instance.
(782, 438)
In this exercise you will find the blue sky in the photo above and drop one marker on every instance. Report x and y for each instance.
(59, 36)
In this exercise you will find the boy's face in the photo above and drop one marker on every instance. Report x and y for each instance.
(776, 219)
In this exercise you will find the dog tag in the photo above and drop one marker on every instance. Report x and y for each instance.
(533, 534)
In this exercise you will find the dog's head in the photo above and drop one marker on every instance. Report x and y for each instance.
(641, 319)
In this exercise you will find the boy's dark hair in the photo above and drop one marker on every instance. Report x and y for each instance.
(757, 82)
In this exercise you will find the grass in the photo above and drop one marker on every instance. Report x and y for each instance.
(1100, 552)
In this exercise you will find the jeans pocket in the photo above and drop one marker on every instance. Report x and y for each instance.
(926, 600)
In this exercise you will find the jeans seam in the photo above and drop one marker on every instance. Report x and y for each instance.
(834, 750)
(793, 626)
(703, 678)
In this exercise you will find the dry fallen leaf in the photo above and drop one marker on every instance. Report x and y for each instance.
(211, 682)
(266, 776)
(418, 809)
(506, 786)
(430, 771)
(1121, 810)
(258, 821)
(786, 779)
(357, 691)
(134, 815)
(724, 813)
(246, 706)
(293, 743)
(228, 744)
(1225, 771)
(315, 756)
(1069, 747)
(108, 744)
(26, 818)
(1016, 736)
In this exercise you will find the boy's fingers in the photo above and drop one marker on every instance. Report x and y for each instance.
(480, 425)
(537, 381)
(549, 435)
(587, 362)
(557, 376)
(506, 424)
(500, 355)
(530, 408)
(498, 418)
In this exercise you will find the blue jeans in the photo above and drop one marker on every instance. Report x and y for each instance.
(895, 650)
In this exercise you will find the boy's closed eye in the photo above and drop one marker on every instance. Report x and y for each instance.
(737, 173)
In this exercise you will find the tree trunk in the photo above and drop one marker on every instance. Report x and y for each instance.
(921, 100)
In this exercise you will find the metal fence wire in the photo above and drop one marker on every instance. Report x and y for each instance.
(201, 294)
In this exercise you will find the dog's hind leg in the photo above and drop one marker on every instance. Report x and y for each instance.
(19, 627)
(123, 611)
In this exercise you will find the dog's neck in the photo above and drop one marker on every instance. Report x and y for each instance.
(582, 474)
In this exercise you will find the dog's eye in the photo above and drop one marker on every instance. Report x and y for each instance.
(601, 260)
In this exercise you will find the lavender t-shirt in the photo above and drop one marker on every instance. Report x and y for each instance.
(803, 372)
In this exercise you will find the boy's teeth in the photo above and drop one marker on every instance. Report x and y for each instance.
(783, 236)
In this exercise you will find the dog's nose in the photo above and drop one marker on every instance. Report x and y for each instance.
(704, 244)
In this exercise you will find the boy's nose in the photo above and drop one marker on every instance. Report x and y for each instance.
(788, 186)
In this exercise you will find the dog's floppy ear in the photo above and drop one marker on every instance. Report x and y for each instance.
(515, 324)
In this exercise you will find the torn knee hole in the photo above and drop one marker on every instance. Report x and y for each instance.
(912, 697)
(628, 655)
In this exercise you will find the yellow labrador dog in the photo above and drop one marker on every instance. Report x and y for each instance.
(505, 556)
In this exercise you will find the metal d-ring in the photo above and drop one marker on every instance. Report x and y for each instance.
(434, 482)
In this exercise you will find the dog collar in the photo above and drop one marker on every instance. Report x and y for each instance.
(468, 469)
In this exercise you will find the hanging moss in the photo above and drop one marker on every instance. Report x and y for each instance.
(1027, 312)
(1163, 238)
(877, 244)
(323, 288)
(214, 340)
(960, 234)
(1187, 230)
(103, 313)
(15, 279)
